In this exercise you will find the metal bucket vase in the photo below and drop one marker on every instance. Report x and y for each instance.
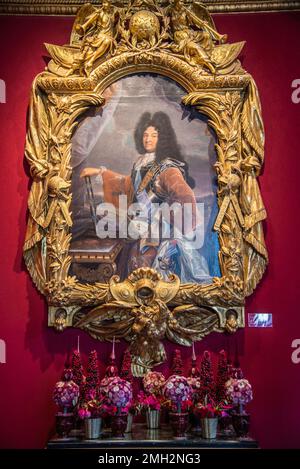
(153, 419)
(153, 433)
(129, 423)
(209, 428)
(92, 428)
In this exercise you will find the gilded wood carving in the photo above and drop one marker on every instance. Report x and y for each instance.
(179, 42)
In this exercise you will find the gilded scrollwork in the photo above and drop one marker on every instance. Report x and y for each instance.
(138, 311)
(181, 42)
(187, 32)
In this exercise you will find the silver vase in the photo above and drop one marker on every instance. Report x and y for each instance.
(209, 428)
(129, 423)
(153, 433)
(92, 428)
(153, 418)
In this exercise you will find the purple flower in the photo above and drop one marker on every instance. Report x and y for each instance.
(239, 391)
(119, 392)
(66, 393)
(177, 389)
(153, 382)
(84, 414)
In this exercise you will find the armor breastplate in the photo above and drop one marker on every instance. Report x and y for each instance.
(154, 170)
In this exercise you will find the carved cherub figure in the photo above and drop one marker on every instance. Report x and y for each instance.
(194, 33)
(231, 324)
(92, 37)
(97, 35)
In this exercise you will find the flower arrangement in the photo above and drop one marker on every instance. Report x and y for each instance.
(153, 382)
(194, 371)
(211, 410)
(149, 402)
(239, 391)
(92, 407)
(119, 394)
(66, 391)
(103, 388)
(125, 372)
(178, 391)
(207, 390)
(195, 385)
(118, 402)
(92, 377)
(185, 406)
(133, 407)
(222, 376)
(77, 368)
(109, 410)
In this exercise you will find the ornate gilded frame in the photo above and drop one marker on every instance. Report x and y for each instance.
(218, 87)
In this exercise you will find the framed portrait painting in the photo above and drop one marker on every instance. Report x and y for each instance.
(145, 142)
(144, 185)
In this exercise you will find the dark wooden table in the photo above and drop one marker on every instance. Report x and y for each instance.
(141, 437)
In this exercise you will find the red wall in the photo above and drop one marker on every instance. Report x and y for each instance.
(35, 354)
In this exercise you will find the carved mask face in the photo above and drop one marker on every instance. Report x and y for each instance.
(145, 292)
(106, 6)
